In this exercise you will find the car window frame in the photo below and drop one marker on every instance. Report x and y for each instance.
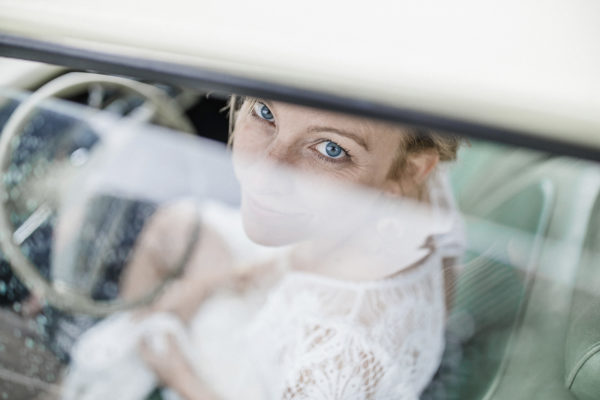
(203, 79)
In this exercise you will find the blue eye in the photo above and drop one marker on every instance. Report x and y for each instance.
(262, 111)
(331, 149)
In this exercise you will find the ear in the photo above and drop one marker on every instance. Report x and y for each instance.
(420, 165)
(416, 171)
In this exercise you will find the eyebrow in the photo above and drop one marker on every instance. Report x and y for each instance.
(351, 135)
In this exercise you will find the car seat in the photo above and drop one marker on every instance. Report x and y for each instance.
(506, 329)
(582, 346)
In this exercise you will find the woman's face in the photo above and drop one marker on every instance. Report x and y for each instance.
(280, 208)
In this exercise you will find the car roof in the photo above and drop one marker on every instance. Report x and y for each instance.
(519, 65)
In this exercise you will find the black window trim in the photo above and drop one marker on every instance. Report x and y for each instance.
(203, 79)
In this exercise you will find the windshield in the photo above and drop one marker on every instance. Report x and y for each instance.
(278, 251)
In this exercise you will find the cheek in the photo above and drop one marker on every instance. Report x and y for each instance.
(248, 143)
(248, 138)
(377, 172)
(366, 173)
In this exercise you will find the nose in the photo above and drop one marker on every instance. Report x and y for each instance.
(280, 152)
(267, 179)
(269, 173)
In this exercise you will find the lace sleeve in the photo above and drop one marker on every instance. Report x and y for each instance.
(335, 363)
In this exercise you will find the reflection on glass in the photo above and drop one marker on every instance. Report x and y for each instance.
(326, 280)
(320, 255)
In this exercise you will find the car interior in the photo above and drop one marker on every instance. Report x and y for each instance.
(524, 320)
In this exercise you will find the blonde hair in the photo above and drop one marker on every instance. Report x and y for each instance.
(233, 106)
(416, 140)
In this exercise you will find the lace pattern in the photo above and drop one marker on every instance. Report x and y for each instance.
(320, 338)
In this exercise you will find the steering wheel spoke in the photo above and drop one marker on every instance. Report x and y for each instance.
(136, 101)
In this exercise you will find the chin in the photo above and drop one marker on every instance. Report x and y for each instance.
(265, 238)
(274, 231)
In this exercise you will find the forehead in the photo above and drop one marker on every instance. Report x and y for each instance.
(309, 117)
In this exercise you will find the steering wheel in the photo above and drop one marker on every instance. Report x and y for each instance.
(156, 107)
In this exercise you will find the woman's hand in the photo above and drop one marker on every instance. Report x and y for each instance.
(173, 369)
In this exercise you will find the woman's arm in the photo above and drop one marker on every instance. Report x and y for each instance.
(159, 249)
(159, 245)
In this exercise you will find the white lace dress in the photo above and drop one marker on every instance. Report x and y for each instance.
(325, 339)
(313, 337)
(307, 337)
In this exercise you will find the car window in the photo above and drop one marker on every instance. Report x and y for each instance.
(160, 242)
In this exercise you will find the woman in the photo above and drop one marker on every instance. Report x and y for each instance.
(334, 312)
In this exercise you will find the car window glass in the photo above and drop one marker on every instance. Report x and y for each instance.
(315, 248)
